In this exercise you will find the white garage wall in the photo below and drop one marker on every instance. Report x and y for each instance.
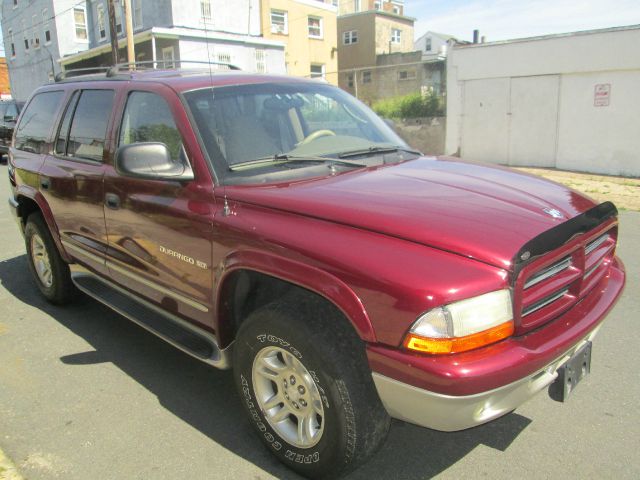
(531, 102)
(600, 139)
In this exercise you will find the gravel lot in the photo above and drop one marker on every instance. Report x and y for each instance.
(86, 394)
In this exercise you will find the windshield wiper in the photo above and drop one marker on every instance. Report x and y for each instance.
(284, 158)
(376, 150)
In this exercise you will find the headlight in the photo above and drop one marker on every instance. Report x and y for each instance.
(463, 325)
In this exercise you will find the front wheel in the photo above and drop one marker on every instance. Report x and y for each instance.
(304, 380)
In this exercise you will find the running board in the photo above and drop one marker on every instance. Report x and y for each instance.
(196, 342)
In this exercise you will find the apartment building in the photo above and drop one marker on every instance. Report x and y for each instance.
(308, 28)
(44, 36)
(36, 34)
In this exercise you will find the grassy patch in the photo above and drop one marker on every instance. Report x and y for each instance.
(413, 105)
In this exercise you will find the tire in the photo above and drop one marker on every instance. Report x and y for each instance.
(49, 270)
(346, 420)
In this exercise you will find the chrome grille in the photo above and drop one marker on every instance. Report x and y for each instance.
(555, 287)
(596, 243)
(548, 272)
(544, 302)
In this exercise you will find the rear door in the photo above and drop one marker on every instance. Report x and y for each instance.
(160, 230)
(71, 177)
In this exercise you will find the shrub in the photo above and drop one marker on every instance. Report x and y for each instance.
(410, 106)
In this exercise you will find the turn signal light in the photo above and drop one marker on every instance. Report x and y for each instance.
(458, 344)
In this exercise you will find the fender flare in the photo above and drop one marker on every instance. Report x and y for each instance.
(35, 195)
(300, 274)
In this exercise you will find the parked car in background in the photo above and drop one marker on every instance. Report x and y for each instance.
(277, 226)
(9, 111)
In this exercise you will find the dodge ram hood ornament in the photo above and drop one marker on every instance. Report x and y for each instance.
(553, 212)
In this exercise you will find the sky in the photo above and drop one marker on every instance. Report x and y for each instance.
(507, 19)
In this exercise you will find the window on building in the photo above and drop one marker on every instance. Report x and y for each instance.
(356, 5)
(102, 24)
(366, 76)
(89, 124)
(205, 10)
(148, 118)
(168, 57)
(350, 37)
(15, 3)
(427, 45)
(396, 10)
(12, 43)
(24, 36)
(335, 3)
(32, 133)
(317, 70)
(223, 57)
(80, 22)
(261, 65)
(377, 5)
(279, 23)
(11, 111)
(406, 75)
(136, 5)
(350, 80)
(118, 14)
(315, 27)
(395, 35)
(45, 26)
(36, 37)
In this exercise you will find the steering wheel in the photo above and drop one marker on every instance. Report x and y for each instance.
(317, 134)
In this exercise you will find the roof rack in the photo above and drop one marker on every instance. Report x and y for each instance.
(124, 69)
(79, 71)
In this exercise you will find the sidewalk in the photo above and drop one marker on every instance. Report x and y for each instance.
(623, 192)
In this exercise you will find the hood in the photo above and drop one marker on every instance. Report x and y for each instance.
(478, 211)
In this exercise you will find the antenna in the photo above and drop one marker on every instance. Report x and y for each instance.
(226, 210)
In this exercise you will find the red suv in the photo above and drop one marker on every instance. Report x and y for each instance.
(277, 226)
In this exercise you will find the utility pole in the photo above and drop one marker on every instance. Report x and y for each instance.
(128, 20)
(112, 31)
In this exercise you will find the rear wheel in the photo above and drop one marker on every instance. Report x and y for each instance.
(304, 380)
(49, 270)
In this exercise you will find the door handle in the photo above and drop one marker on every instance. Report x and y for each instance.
(45, 183)
(112, 201)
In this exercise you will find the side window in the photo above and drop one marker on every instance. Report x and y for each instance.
(63, 132)
(147, 118)
(3, 110)
(32, 133)
(89, 124)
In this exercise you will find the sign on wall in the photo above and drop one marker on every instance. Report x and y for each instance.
(601, 95)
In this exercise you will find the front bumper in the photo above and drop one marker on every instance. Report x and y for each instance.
(460, 391)
(449, 414)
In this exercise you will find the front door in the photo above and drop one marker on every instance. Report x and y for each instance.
(160, 230)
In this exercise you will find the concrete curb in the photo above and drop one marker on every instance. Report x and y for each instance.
(8, 470)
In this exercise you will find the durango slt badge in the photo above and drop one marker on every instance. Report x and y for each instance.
(184, 258)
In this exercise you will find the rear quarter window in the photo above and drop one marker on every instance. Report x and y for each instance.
(33, 131)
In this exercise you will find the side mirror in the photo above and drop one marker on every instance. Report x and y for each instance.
(9, 118)
(152, 161)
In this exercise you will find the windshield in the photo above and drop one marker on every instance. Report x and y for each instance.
(251, 130)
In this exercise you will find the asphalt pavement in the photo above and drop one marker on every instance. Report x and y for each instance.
(86, 394)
